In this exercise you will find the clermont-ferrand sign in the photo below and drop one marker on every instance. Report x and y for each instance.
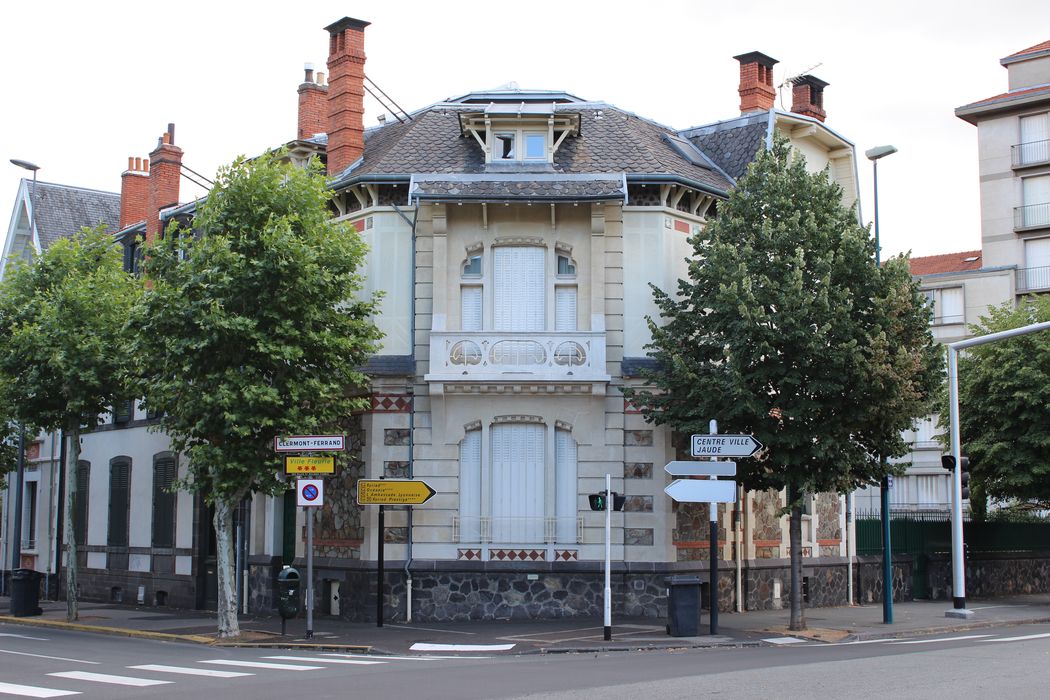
(724, 445)
(393, 492)
(309, 443)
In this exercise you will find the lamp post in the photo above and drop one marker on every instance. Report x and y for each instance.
(16, 524)
(874, 155)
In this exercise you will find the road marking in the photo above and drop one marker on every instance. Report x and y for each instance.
(107, 678)
(429, 657)
(261, 664)
(785, 640)
(1020, 639)
(943, 639)
(211, 673)
(317, 660)
(421, 646)
(29, 691)
(431, 629)
(53, 658)
(24, 636)
(846, 644)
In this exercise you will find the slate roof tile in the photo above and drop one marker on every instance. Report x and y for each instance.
(60, 210)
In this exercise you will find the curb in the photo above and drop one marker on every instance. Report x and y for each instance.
(982, 624)
(669, 647)
(304, 646)
(116, 631)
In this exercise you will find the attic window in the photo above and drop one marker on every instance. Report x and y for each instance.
(505, 145)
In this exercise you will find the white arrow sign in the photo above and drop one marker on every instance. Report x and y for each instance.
(693, 491)
(724, 445)
(685, 468)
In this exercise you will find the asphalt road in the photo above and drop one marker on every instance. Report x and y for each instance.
(1007, 662)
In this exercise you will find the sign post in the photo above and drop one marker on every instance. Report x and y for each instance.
(309, 494)
(607, 603)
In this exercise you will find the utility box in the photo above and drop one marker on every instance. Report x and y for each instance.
(683, 606)
(289, 592)
(25, 593)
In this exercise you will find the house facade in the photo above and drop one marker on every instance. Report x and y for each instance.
(514, 234)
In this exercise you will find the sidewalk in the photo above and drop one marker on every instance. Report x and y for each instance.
(538, 636)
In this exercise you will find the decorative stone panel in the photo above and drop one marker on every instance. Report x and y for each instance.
(338, 530)
(827, 508)
(764, 512)
(566, 555)
(395, 436)
(395, 470)
(391, 403)
(638, 504)
(638, 470)
(395, 535)
(638, 438)
(641, 536)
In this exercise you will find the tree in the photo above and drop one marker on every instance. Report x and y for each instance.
(1004, 407)
(786, 329)
(63, 348)
(248, 330)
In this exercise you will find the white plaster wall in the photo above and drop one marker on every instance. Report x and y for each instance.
(1000, 190)
(1029, 73)
(388, 270)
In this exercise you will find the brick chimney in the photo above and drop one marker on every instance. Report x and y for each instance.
(756, 82)
(165, 165)
(807, 97)
(313, 104)
(134, 192)
(346, 93)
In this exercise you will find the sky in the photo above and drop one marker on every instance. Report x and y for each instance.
(85, 85)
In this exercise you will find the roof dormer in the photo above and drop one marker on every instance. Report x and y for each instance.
(522, 133)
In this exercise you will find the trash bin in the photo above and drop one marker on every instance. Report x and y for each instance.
(288, 593)
(25, 593)
(683, 606)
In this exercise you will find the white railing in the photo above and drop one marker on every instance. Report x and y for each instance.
(493, 356)
(522, 530)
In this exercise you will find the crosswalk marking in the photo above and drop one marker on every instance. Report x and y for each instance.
(261, 664)
(1019, 639)
(108, 678)
(943, 639)
(319, 660)
(210, 672)
(428, 657)
(30, 691)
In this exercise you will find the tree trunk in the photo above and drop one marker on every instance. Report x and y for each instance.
(798, 618)
(72, 459)
(229, 625)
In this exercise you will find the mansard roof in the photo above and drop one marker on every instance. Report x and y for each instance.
(61, 210)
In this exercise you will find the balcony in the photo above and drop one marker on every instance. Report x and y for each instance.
(1032, 216)
(1024, 155)
(1033, 279)
(487, 356)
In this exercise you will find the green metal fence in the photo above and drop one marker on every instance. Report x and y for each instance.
(930, 533)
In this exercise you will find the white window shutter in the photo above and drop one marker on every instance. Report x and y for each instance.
(519, 289)
(565, 309)
(471, 308)
(952, 310)
(517, 483)
(470, 487)
(565, 487)
(1035, 131)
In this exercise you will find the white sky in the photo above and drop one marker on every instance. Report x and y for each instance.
(87, 84)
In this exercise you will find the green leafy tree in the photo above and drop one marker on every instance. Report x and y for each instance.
(63, 348)
(1004, 407)
(249, 329)
(785, 329)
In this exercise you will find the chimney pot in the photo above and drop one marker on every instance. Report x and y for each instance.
(756, 82)
(320, 77)
(807, 97)
(309, 70)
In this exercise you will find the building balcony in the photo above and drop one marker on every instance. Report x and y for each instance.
(1032, 216)
(1033, 279)
(494, 357)
(1025, 155)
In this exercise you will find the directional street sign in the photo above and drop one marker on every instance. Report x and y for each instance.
(687, 468)
(308, 443)
(297, 464)
(724, 445)
(309, 492)
(393, 492)
(695, 491)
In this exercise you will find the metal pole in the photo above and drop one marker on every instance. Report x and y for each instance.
(16, 524)
(309, 572)
(958, 562)
(849, 543)
(60, 522)
(713, 581)
(379, 568)
(608, 557)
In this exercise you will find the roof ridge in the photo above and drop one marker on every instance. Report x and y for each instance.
(58, 185)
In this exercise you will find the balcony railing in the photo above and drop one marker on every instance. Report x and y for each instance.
(1033, 153)
(576, 356)
(1032, 216)
(521, 530)
(1033, 279)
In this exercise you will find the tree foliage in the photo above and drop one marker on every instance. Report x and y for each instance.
(250, 329)
(1004, 406)
(785, 329)
(64, 344)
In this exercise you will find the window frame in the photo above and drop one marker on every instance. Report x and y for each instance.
(119, 512)
(162, 495)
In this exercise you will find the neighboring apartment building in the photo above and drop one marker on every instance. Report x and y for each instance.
(1013, 145)
(44, 213)
(514, 234)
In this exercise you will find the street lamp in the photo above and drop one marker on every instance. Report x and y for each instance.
(874, 154)
(16, 525)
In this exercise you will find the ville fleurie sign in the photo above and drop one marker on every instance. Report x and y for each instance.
(296, 464)
(393, 492)
(724, 445)
(309, 443)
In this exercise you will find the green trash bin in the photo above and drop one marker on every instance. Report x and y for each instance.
(25, 593)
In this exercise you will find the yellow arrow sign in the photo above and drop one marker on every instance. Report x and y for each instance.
(309, 465)
(393, 492)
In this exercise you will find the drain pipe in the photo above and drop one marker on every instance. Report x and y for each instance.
(411, 404)
(737, 528)
(849, 554)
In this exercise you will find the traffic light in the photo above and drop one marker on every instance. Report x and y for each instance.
(948, 462)
(618, 501)
(964, 476)
(597, 501)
